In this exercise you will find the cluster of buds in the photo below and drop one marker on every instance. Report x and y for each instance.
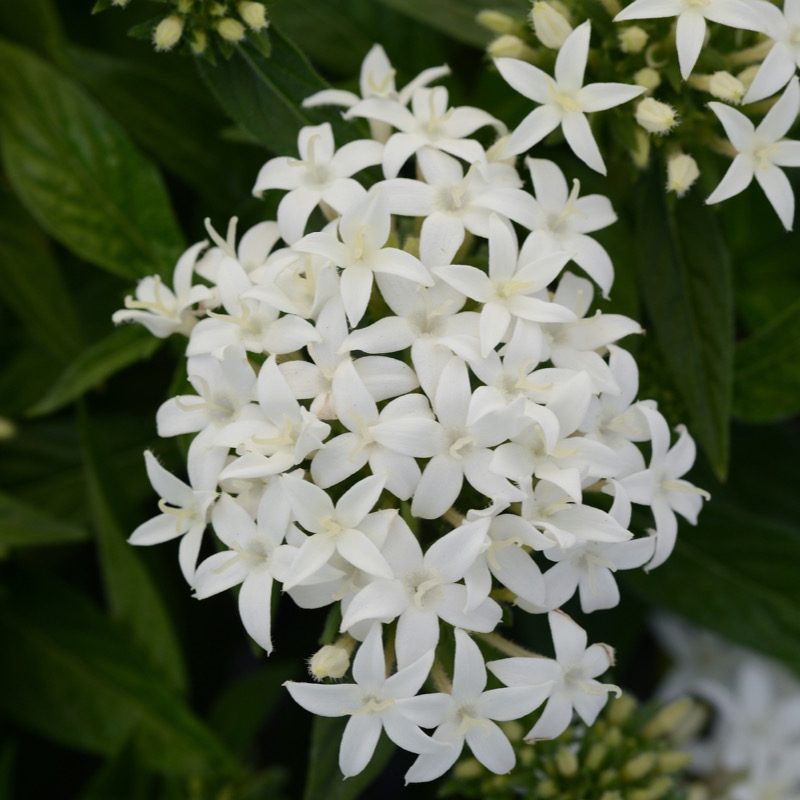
(415, 413)
(632, 752)
(673, 119)
(202, 27)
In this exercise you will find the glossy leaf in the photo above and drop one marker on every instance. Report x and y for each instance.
(130, 592)
(685, 275)
(72, 675)
(22, 525)
(79, 174)
(122, 347)
(264, 95)
(767, 377)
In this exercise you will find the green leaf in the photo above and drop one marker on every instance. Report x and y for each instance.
(78, 173)
(71, 674)
(7, 757)
(122, 347)
(767, 376)
(685, 275)
(456, 18)
(131, 595)
(38, 28)
(31, 284)
(264, 95)
(242, 708)
(121, 778)
(22, 525)
(323, 779)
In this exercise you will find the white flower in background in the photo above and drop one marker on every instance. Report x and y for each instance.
(185, 508)
(562, 221)
(571, 676)
(661, 485)
(508, 292)
(782, 61)
(564, 101)
(321, 175)
(255, 558)
(164, 311)
(469, 715)
(373, 702)
(377, 79)
(429, 123)
(691, 24)
(761, 152)
(360, 251)
(251, 253)
(453, 203)
(425, 589)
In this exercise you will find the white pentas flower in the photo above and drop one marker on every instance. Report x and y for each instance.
(469, 715)
(164, 311)
(429, 123)
(761, 151)
(782, 61)
(571, 677)
(373, 702)
(564, 100)
(414, 443)
(691, 21)
(321, 175)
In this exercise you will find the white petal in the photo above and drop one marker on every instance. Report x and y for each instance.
(470, 281)
(601, 96)
(338, 459)
(569, 639)
(538, 124)
(438, 487)
(405, 734)
(779, 192)
(689, 38)
(440, 238)
(469, 670)
(738, 128)
(649, 9)
(506, 704)
(369, 664)
(356, 288)
(359, 551)
(571, 58)
(314, 553)
(325, 699)
(358, 501)
(310, 504)
(293, 213)
(218, 573)
(254, 607)
(555, 719)
(381, 600)
(417, 634)
(526, 79)
(359, 740)
(491, 747)
(578, 134)
(736, 180)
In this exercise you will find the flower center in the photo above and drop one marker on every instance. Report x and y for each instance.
(424, 588)
(567, 101)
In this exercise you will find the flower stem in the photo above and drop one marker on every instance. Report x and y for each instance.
(506, 646)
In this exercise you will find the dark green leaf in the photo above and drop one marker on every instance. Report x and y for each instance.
(31, 284)
(7, 756)
(132, 598)
(78, 173)
(456, 18)
(38, 28)
(122, 347)
(71, 674)
(120, 778)
(22, 525)
(323, 779)
(245, 704)
(767, 376)
(685, 275)
(264, 95)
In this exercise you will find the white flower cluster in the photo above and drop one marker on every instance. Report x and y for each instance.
(381, 429)
(750, 751)
(759, 152)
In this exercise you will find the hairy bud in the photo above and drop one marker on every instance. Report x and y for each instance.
(168, 33)
(655, 116)
(682, 172)
(253, 14)
(330, 661)
(632, 39)
(552, 28)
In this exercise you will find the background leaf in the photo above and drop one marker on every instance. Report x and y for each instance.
(71, 674)
(122, 347)
(685, 275)
(22, 525)
(78, 173)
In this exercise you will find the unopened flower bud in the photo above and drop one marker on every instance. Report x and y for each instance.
(566, 762)
(551, 27)
(670, 717)
(185, 6)
(199, 42)
(620, 709)
(655, 116)
(682, 172)
(253, 14)
(655, 791)
(632, 39)
(120, 3)
(648, 77)
(641, 150)
(230, 29)
(639, 766)
(469, 768)
(596, 756)
(496, 21)
(510, 46)
(7, 429)
(330, 661)
(673, 761)
(611, 6)
(168, 32)
(726, 87)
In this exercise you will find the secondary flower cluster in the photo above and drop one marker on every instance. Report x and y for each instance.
(671, 113)
(410, 414)
(749, 752)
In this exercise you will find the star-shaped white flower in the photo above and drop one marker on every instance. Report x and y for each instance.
(692, 16)
(571, 676)
(320, 175)
(761, 152)
(469, 715)
(360, 252)
(779, 66)
(564, 101)
(373, 703)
